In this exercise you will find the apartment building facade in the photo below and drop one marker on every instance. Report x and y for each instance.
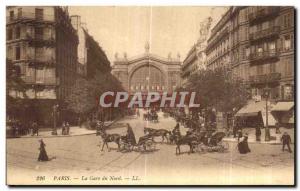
(257, 45)
(194, 61)
(43, 43)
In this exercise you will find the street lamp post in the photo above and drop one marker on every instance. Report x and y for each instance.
(54, 130)
(267, 130)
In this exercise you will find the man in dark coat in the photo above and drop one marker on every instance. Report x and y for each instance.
(79, 122)
(240, 134)
(43, 154)
(277, 128)
(258, 133)
(98, 128)
(243, 146)
(35, 128)
(130, 135)
(176, 130)
(286, 140)
(63, 128)
(67, 128)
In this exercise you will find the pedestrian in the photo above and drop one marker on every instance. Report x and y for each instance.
(130, 135)
(189, 132)
(98, 127)
(277, 128)
(234, 131)
(37, 129)
(240, 133)
(286, 140)
(258, 133)
(79, 122)
(34, 128)
(43, 154)
(67, 128)
(176, 130)
(13, 126)
(63, 128)
(243, 146)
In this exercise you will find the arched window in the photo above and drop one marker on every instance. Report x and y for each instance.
(147, 76)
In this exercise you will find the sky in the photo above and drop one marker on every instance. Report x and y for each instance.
(120, 29)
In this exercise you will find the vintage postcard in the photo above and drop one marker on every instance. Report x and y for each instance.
(150, 95)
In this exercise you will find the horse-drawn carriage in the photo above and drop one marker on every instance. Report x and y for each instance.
(213, 144)
(201, 142)
(134, 140)
(144, 144)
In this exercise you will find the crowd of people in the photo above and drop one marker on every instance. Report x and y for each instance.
(200, 122)
(15, 128)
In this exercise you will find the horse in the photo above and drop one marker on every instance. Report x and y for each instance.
(191, 140)
(185, 140)
(108, 138)
(157, 133)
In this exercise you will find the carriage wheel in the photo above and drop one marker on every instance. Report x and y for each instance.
(149, 145)
(201, 148)
(224, 146)
(197, 148)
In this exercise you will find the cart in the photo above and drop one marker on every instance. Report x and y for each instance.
(215, 144)
(142, 142)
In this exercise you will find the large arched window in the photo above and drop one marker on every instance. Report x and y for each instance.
(147, 78)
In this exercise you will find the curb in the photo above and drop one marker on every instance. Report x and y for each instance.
(58, 136)
(257, 142)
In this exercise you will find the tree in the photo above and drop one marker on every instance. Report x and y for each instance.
(86, 93)
(218, 89)
(81, 100)
(15, 89)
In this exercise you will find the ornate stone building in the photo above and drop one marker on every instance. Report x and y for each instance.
(43, 43)
(257, 45)
(148, 72)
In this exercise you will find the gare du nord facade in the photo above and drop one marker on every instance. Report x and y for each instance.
(148, 73)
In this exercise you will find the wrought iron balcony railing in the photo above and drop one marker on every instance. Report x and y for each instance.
(263, 13)
(261, 56)
(265, 78)
(40, 81)
(29, 16)
(264, 34)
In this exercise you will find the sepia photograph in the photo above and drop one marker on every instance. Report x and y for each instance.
(150, 95)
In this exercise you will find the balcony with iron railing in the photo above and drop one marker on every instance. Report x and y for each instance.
(263, 13)
(217, 38)
(48, 81)
(41, 40)
(29, 16)
(265, 34)
(258, 57)
(28, 79)
(41, 57)
(265, 78)
(40, 81)
(38, 60)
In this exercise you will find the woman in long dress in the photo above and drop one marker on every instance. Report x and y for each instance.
(243, 145)
(43, 154)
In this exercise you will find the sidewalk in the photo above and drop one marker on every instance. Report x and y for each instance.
(275, 138)
(74, 131)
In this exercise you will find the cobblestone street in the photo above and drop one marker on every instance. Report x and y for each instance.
(80, 158)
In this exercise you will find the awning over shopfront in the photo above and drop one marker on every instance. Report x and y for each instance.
(252, 109)
(283, 112)
(283, 106)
